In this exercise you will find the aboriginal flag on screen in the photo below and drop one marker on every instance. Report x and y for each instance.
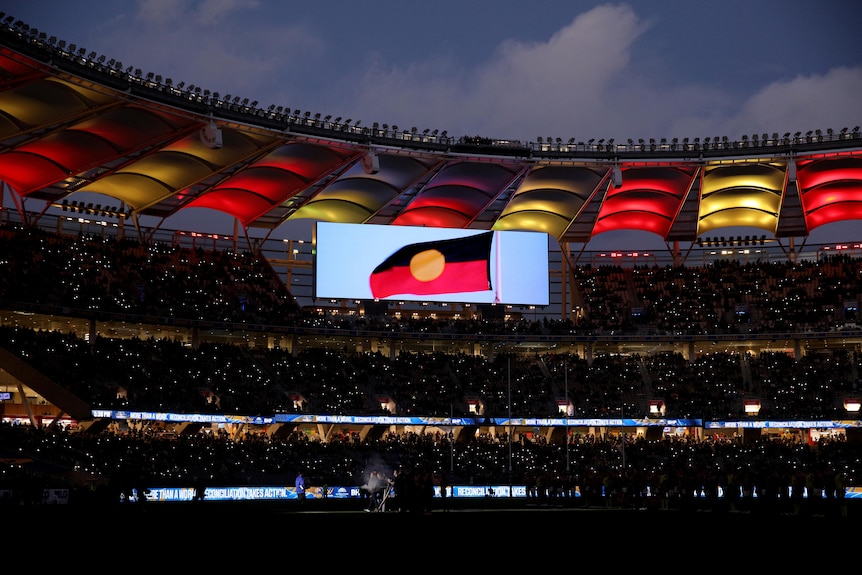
(438, 267)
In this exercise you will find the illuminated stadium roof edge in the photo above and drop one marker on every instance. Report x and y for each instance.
(75, 124)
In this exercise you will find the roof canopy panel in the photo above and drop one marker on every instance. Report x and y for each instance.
(647, 199)
(457, 194)
(47, 101)
(270, 181)
(83, 146)
(831, 189)
(549, 198)
(741, 195)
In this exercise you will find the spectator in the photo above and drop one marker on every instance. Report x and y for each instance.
(300, 488)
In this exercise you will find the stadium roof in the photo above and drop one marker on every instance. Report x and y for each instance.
(74, 123)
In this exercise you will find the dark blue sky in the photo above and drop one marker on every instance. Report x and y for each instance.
(502, 69)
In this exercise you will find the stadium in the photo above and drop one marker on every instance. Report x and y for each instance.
(113, 323)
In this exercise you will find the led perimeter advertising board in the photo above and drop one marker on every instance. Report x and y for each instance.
(407, 263)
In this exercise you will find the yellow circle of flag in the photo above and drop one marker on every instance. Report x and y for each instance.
(428, 265)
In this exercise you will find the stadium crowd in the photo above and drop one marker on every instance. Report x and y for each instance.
(766, 475)
(102, 276)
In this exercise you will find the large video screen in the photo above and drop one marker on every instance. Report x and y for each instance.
(404, 263)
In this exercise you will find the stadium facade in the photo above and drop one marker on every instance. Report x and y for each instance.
(91, 145)
(96, 142)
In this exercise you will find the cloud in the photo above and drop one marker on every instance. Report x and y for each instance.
(593, 78)
(208, 44)
(830, 100)
(604, 74)
(525, 88)
(160, 12)
(557, 86)
(582, 82)
(207, 13)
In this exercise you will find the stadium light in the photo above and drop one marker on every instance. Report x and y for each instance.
(211, 136)
(371, 162)
(617, 176)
